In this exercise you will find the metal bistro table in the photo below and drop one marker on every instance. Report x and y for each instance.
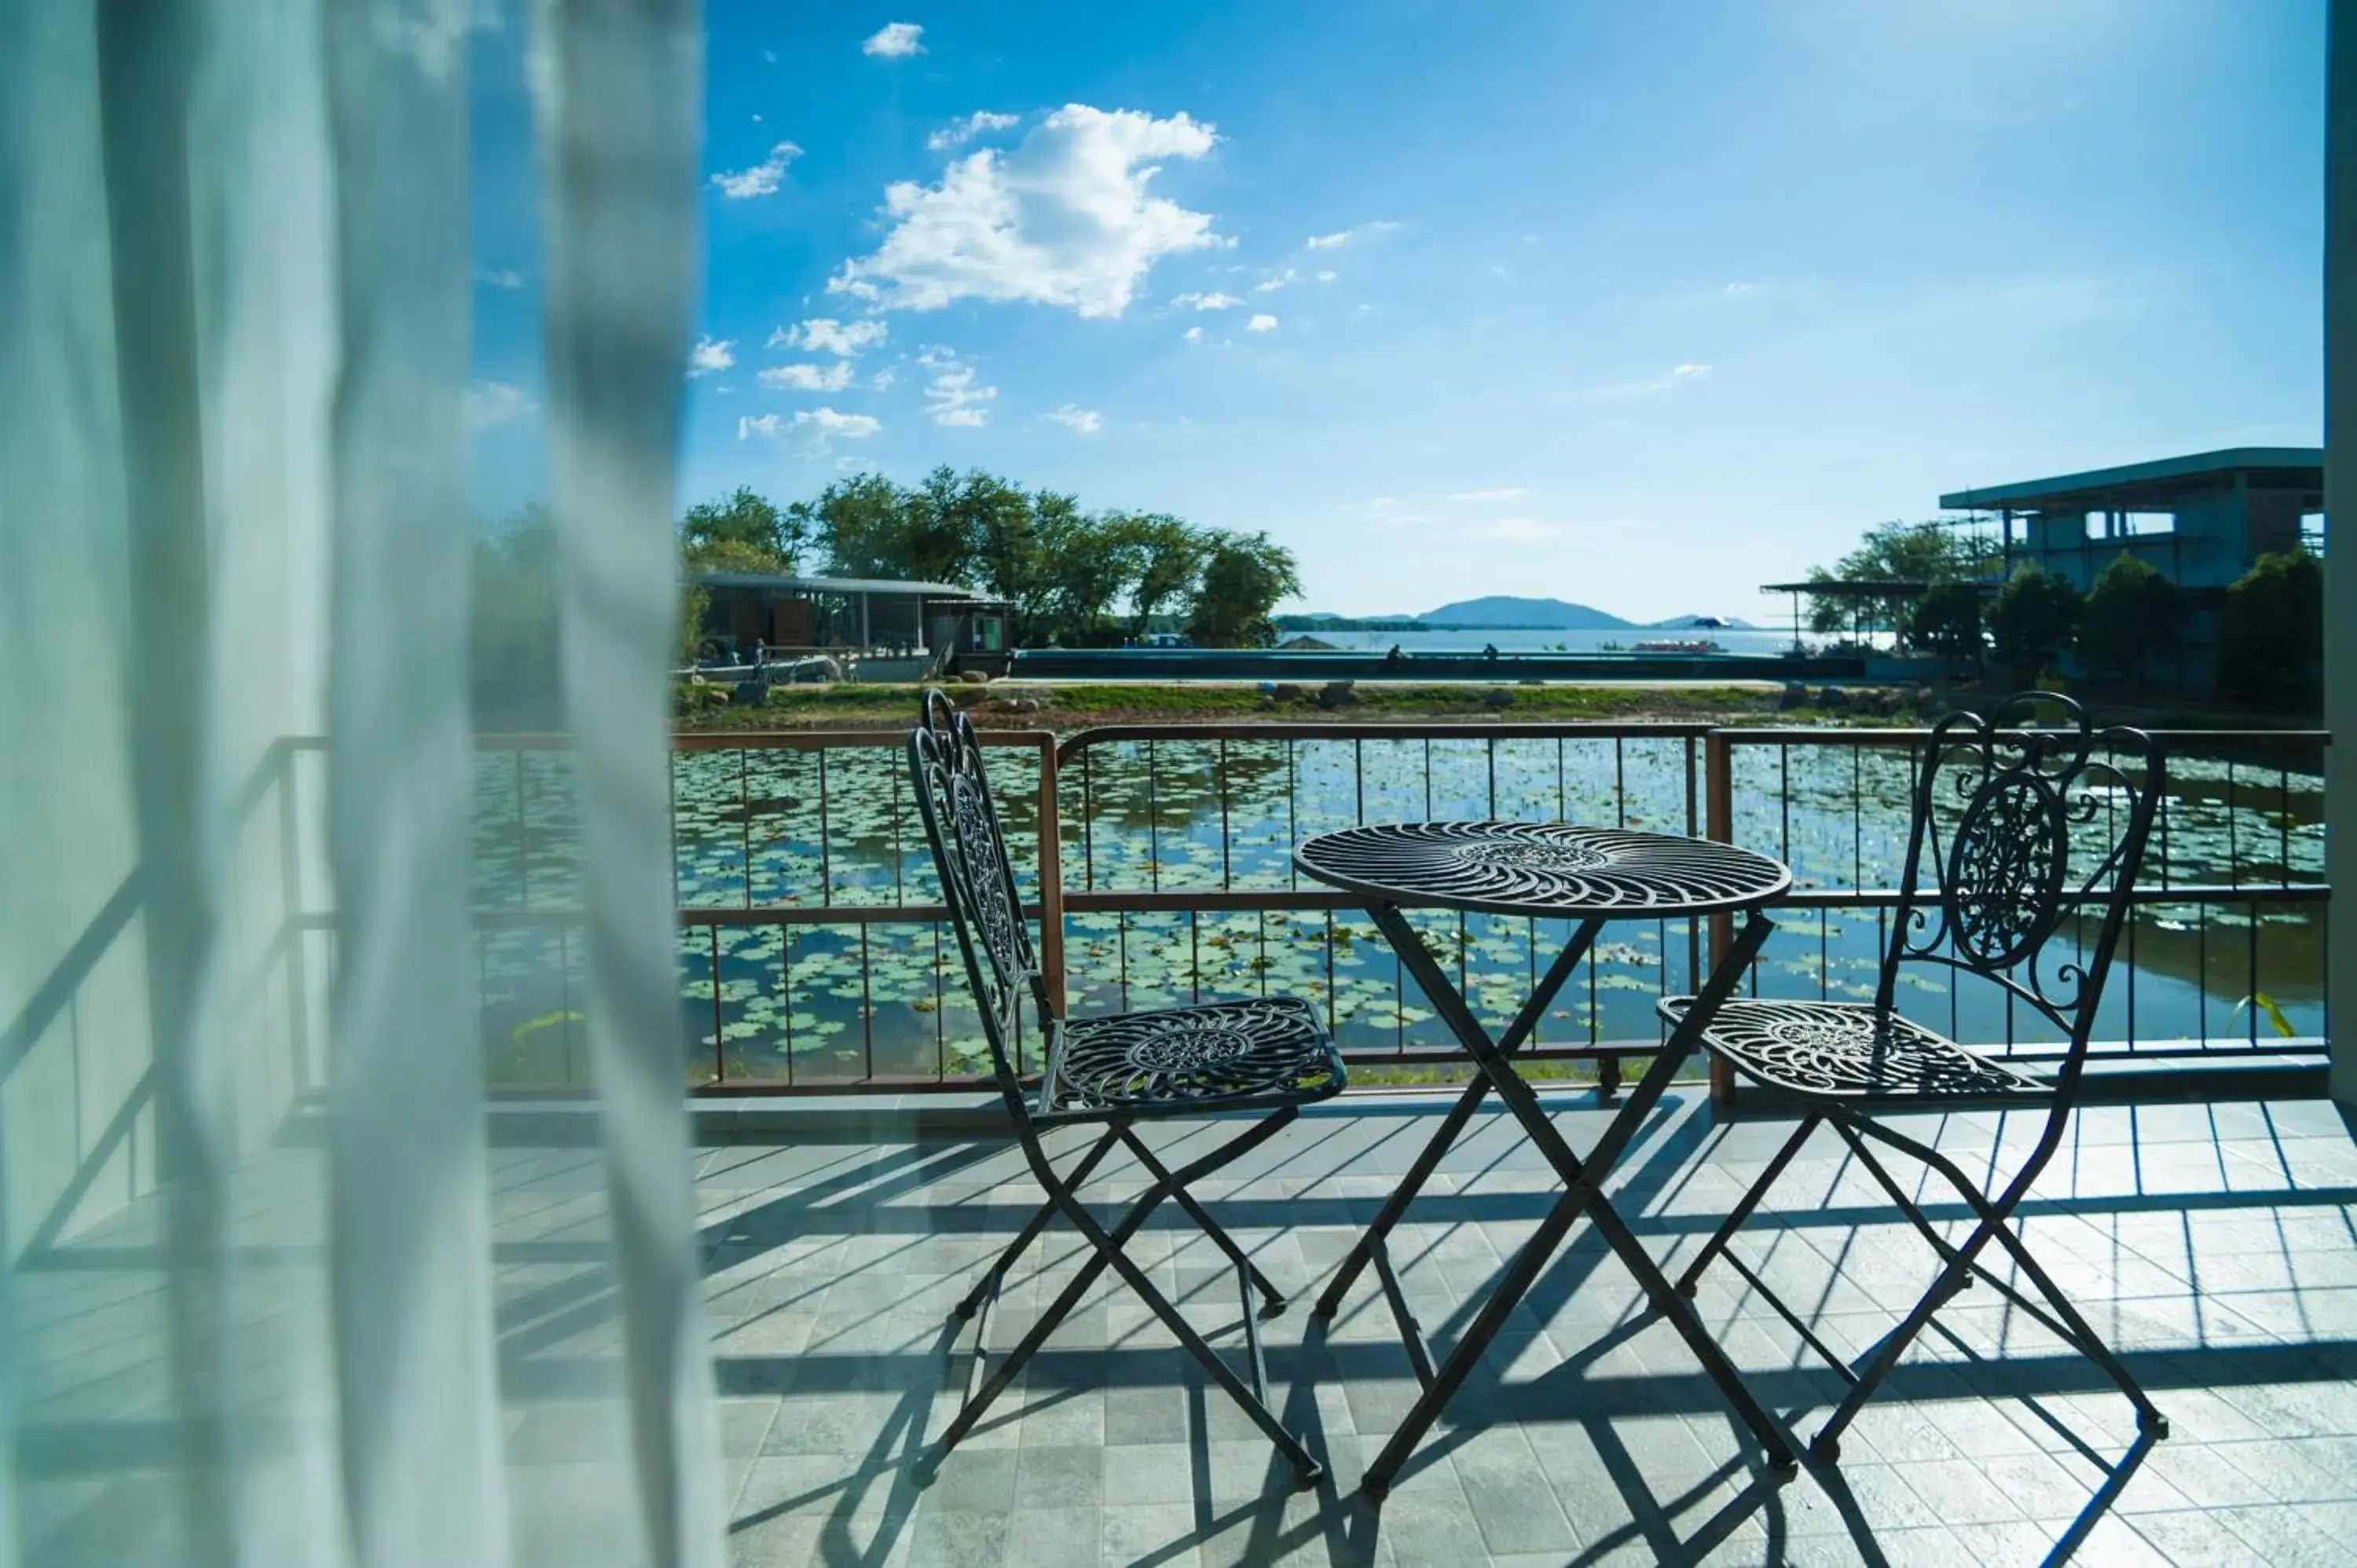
(1551, 871)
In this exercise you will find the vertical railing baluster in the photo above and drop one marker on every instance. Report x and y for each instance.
(867, 1010)
(825, 861)
(745, 817)
(1227, 873)
(523, 843)
(1153, 824)
(719, 1068)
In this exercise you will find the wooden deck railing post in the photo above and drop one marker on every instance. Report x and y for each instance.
(1052, 877)
(1718, 825)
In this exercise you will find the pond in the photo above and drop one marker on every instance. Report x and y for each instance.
(851, 999)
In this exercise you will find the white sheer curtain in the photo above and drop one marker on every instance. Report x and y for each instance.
(262, 1302)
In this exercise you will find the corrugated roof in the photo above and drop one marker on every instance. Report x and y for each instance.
(2162, 473)
(829, 584)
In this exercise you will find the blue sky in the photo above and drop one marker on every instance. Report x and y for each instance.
(1641, 306)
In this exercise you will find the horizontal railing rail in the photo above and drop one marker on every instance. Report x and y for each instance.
(1157, 858)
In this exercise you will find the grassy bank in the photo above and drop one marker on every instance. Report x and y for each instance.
(1053, 706)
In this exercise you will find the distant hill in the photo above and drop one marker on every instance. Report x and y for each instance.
(1506, 610)
(1700, 623)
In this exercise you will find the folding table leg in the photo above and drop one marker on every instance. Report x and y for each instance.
(1582, 1179)
(1452, 1126)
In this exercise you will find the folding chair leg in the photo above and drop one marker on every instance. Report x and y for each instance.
(1106, 1247)
(1743, 1211)
(1826, 1445)
(991, 1276)
(1273, 1298)
(2084, 1336)
(980, 1400)
(1305, 1467)
(1898, 1194)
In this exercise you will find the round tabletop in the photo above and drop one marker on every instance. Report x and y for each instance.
(1546, 869)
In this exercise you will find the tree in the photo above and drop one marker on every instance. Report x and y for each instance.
(1947, 620)
(1083, 567)
(1170, 553)
(2132, 613)
(865, 525)
(1898, 552)
(748, 528)
(2032, 619)
(1243, 577)
(2271, 634)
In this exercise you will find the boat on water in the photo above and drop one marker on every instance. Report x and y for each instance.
(1678, 644)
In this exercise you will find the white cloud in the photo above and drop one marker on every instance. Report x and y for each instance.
(894, 40)
(1744, 290)
(1503, 493)
(1326, 277)
(952, 397)
(488, 404)
(1344, 236)
(1261, 324)
(762, 179)
(1207, 301)
(1193, 334)
(1275, 281)
(827, 421)
(883, 378)
(1063, 218)
(824, 335)
(1086, 420)
(822, 423)
(1681, 374)
(498, 277)
(710, 354)
(809, 378)
(980, 123)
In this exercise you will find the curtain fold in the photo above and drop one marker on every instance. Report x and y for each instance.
(619, 83)
(262, 1296)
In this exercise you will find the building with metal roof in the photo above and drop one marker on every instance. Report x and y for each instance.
(2201, 520)
(896, 628)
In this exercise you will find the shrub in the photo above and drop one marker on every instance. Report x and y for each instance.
(2133, 614)
(2032, 618)
(2271, 635)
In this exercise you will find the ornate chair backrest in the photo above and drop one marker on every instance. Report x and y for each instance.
(977, 879)
(2004, 883)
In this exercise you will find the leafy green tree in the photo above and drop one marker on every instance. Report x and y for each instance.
(747, 528)
(2133, 613)
(1947, 620)
(1085, 567)
(1169, 554)
(1243, 577)
(2032, 619)
(1898, 552)
(865, 526)
(2271, 634)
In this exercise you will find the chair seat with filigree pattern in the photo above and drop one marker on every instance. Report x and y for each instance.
(1266, 1052)
(1848, 1050)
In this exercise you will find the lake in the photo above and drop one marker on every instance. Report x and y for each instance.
(844, 1000)
(1756, 640)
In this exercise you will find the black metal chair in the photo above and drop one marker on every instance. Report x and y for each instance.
(1268, 1055)
(2005, 886)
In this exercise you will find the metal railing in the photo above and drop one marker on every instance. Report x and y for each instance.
(1157, 859)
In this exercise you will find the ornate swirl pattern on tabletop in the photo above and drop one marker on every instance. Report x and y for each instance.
(1541, 868)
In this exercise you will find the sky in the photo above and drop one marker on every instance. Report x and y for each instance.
(1636, 306)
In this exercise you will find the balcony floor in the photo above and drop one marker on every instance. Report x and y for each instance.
(2213, 1245)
